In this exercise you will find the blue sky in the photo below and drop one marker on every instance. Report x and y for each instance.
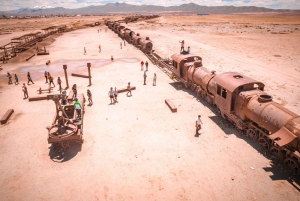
(16, 4)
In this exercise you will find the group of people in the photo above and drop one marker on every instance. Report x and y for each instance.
(145, 73)
(49, 78)
(10, 79)
(113, 95)
(182, 51)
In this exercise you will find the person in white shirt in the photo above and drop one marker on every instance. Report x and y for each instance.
(198, 124)
(111, 95)
(116, 95)
(154, 79)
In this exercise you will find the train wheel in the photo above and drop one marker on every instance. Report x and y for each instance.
(252, 134)
(275, 151)
(263, 142)
(292, 165)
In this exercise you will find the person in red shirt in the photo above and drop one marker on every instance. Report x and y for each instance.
(142, 65)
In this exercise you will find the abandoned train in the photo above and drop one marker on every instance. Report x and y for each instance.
(239, 99)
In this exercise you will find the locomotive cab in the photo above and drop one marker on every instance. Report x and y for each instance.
(228, 87)
(181, 62)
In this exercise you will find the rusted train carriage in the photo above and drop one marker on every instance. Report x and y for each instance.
(66, 128)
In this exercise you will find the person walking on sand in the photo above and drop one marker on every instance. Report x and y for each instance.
(89, 95)
(142, 65)
(51, 81)
(154, 79)
(46, 76)
(9, 78)
(124, 42)
(16, 79)
(74, 89)
(59, 83)
(198, 124)
(129, 89)
(29, 79)
(116, 95)
(182, 45)
(121, 45)
(98, 30)
(24, 89)
(84, 51)
(77, 106)
(111, 95)
(99, 48)
(145, 76)
(146, 64)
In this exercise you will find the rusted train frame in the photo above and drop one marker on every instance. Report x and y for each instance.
(280, 137)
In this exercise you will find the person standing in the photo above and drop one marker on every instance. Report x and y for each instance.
(46, 76)
(112, 58)
(142, 65)
(9, 78)
(98, 30)
(74, 89)
(29, 79)
(99, 48)
(84, 50)
(24, 89)
(145, 76)
(154, 79)
(51, 81)
(121, 45)
(116, 95)
(16, 79)
(129, 89)
(198, 124)
(111, 95)
(89, 95)
(59, 83)
(146, 64)
(182, 45)
(77, 106)
(124, 42)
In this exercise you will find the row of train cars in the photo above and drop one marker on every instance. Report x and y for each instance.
(238, 98)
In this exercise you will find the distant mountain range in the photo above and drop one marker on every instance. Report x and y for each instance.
(126, 8)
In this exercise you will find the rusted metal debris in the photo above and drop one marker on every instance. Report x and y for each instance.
(238, 98)
(66, 128)
(85, 76)
(42, 51)
(6, 116)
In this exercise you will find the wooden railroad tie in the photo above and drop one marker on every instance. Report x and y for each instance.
(30, 57)
(6, 116)
(47, 90)
(78, 75)
(125, 90)
(171, 105)
(37, 98)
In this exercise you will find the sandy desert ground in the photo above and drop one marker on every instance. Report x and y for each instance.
(137, 149)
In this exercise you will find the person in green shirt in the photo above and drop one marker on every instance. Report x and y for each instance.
(77, 106)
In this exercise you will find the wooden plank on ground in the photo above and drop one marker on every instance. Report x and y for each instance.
(78, 75)
(37, 98)
(125, 89)
(6, 116)
(171, 105)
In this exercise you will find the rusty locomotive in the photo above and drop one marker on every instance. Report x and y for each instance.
(238, 98)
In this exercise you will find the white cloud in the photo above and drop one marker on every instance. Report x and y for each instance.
(16, 4)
